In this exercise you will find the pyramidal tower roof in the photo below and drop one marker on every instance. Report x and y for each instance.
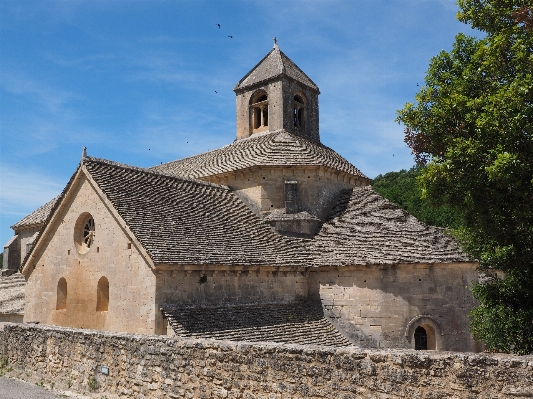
(273, 65)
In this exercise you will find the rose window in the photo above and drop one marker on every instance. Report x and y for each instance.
(84, 233)
(88, 233)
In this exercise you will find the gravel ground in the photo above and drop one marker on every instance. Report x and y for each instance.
(15, 389)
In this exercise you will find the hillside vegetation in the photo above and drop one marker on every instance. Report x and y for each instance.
(402, 188)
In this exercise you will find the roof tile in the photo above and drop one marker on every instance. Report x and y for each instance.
(189, 221)
(37, 217)
(364, 228)
(274, 64)
(295, 323)
(279, 148)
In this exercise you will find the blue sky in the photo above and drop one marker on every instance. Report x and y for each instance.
(145, 82)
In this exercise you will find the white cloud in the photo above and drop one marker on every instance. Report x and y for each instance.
(24, 190)
(51, 98)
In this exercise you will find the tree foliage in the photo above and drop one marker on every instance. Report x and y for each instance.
(402, 188)
(472, 125)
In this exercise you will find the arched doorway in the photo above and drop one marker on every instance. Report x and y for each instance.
(424, 332)
(421, 339)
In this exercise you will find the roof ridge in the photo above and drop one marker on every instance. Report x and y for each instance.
(253, 69)
(254, 136)
(282, 54)
(273, 65)
(35, 212)
(154, 172)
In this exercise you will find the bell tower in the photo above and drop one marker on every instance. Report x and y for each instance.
(277, 95)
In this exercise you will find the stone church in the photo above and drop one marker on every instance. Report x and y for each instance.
(274, 237)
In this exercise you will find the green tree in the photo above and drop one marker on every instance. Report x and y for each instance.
(403, 189)
(472, 125)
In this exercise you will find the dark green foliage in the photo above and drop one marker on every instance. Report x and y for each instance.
(472, 125)
(403, 189)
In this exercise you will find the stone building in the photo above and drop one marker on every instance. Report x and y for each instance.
(274, 237)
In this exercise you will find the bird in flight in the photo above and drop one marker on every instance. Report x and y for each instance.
(231, 37)
(218, 26)
(216, 92)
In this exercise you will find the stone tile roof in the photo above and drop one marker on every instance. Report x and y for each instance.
(366, 229)
(278, 148)
(295, 323)
(38, 216)
(273, 65)
(184, 221)
(12, 294)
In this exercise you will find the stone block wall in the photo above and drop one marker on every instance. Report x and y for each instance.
(113, 255)
(263, 189)
(373, 305)
(11, 254)
(143, 366)
(227, 286)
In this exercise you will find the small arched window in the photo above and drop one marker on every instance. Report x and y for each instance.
(299, 111)
(259, 110)
(426, 332)
(102, 295)
(61, 300)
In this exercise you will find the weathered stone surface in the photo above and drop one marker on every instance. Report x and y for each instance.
(381, 232)
(278, 148)
(37, 217)
(11, 298)
(296, 323)
(160, 367)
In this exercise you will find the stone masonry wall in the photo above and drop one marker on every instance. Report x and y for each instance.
(263, 189)
(147, 366)
(373, 305)
(132, 306)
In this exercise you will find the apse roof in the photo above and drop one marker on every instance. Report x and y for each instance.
(12, 294)
(273, 65)
(364, 228)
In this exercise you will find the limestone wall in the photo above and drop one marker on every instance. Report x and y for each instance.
(275, 104)
(26, 236)
(113, 255)
(374, 305)
(231, 286)
(263, 189)
(161, 367)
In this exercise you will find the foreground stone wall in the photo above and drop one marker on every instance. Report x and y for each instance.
(160, 367)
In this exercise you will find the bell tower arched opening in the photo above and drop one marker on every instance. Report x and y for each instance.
(277, 95)
(259, 111)
(299, 111)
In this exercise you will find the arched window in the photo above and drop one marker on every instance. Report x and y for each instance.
(259, 110)
(61, 300)
(102, 295)
(299, 111)
(421, 339)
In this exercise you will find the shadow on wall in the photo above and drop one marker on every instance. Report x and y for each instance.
(382, 306)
